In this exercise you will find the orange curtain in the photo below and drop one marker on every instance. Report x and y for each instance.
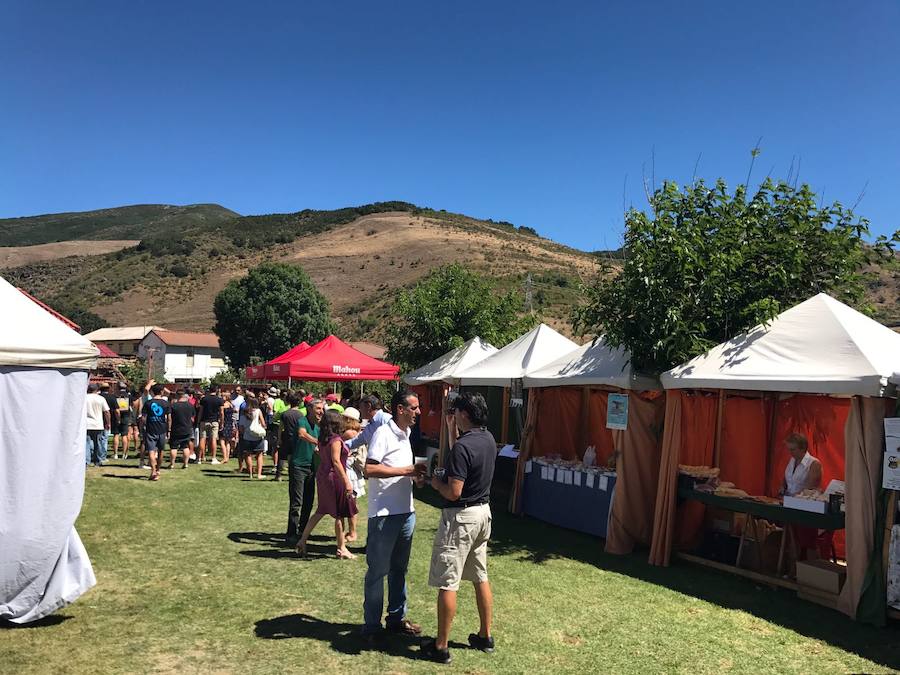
(558, 430)
(698, 431)
(430, 405)
(666, 492)
(637, 468)
(745, 442)
(822, 419)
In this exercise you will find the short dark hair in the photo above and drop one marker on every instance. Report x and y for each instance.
(157, 389)
(93, 387)
(372, 400)
(347, 392)
(400, 398)
(473, 405)
(291, 399)
(799, 440)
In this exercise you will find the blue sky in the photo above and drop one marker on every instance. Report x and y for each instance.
(542, 114)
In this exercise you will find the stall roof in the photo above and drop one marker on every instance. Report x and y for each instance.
(333, 360)
(535, 349)
(31, 336)
(274, 367)
(447, 367)
(593, 363)
(820, 346)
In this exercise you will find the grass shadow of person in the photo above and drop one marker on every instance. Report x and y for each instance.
(341, 637)
(45, 622)
(115, 475)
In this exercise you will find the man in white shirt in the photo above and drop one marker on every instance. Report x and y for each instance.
(96, 410)
(369, 409)
(392, 518)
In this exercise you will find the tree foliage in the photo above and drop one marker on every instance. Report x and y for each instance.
(269, 311)
(445, 309)
(707, 265)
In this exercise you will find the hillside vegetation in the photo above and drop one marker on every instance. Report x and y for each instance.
(359, 257)
(124, 222)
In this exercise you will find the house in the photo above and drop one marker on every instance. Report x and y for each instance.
(123, 340)
(182, 356)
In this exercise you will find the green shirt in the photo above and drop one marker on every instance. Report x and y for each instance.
(336, 406)
(304, 451)
(277, 409)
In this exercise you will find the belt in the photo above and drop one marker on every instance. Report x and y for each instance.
(467, 506)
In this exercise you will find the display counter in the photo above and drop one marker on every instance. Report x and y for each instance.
(577, 500)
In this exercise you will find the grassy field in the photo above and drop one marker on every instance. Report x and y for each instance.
(192, 578)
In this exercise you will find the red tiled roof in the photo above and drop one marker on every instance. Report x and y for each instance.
(105, 352)
(71, 324)
(369, 349)
(183, 338)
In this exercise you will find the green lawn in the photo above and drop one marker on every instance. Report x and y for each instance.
(191, 578)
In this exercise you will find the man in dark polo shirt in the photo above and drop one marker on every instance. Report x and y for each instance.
(302, 471)
(460, 544)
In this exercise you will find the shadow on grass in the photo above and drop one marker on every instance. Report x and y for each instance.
(46, 622)
(341, 637)
(115, 475)
(537, 542)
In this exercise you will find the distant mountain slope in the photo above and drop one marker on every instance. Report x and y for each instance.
(124, 222)
(359, 257)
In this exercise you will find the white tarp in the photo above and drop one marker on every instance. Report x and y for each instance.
(43, 564)
(446, 368)
(820, 346)
(594, 363)
(31, 336)
(535, 349)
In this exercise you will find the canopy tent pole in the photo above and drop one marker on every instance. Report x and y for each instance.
(289, 382)
(443, 441)
(504, 428)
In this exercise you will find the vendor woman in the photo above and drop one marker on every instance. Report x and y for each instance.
(803, 472)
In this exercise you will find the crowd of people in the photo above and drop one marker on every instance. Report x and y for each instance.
(335, 448)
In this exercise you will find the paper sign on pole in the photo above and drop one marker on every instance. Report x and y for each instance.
(890, 473)
(617, 411)
(892, 427)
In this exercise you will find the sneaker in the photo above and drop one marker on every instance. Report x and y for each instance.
(215, 461)
(193, 456)
(484, 644)
(154, 476)
(432, 653)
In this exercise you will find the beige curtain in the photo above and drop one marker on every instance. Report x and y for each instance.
(637, 469)
(667, 482)
(864, 439)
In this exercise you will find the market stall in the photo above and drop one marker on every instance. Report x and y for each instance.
(575, 469)
(819, 369)
(272, 369)
(505, 369)
(44, 366)
(433, 381)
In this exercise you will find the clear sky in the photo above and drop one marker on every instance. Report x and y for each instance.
(543, 114)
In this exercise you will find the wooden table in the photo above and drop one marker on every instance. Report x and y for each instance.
(774, 512)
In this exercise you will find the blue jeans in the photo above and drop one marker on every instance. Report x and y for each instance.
(95, 446)
(387, 555)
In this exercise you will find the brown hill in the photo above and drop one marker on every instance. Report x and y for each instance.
(359, 266)
(15, 256)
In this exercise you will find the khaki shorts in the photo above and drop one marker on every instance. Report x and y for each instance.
(460, 547)
(211, 431)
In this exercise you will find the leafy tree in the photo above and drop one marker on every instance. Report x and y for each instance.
(707, 265)
(135, 373)
(269, 311)
(445, 309)
(227, 376)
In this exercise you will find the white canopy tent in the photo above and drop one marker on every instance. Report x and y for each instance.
(446, 368)
(820, 346)
(595, 363)
(43, 366)
(519, 358)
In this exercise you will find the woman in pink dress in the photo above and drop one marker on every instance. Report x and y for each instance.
(332, 483)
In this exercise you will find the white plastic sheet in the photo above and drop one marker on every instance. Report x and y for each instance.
(43, 564)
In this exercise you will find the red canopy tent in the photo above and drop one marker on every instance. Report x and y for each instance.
(263, 370)
(274, 368)
(333, 360)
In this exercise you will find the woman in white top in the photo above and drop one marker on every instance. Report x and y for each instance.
(803, 472)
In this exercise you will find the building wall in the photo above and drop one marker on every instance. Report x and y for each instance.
(192, 363)
(123, 347)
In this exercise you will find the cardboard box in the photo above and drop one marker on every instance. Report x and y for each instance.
(821, 575)
(812, 505)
